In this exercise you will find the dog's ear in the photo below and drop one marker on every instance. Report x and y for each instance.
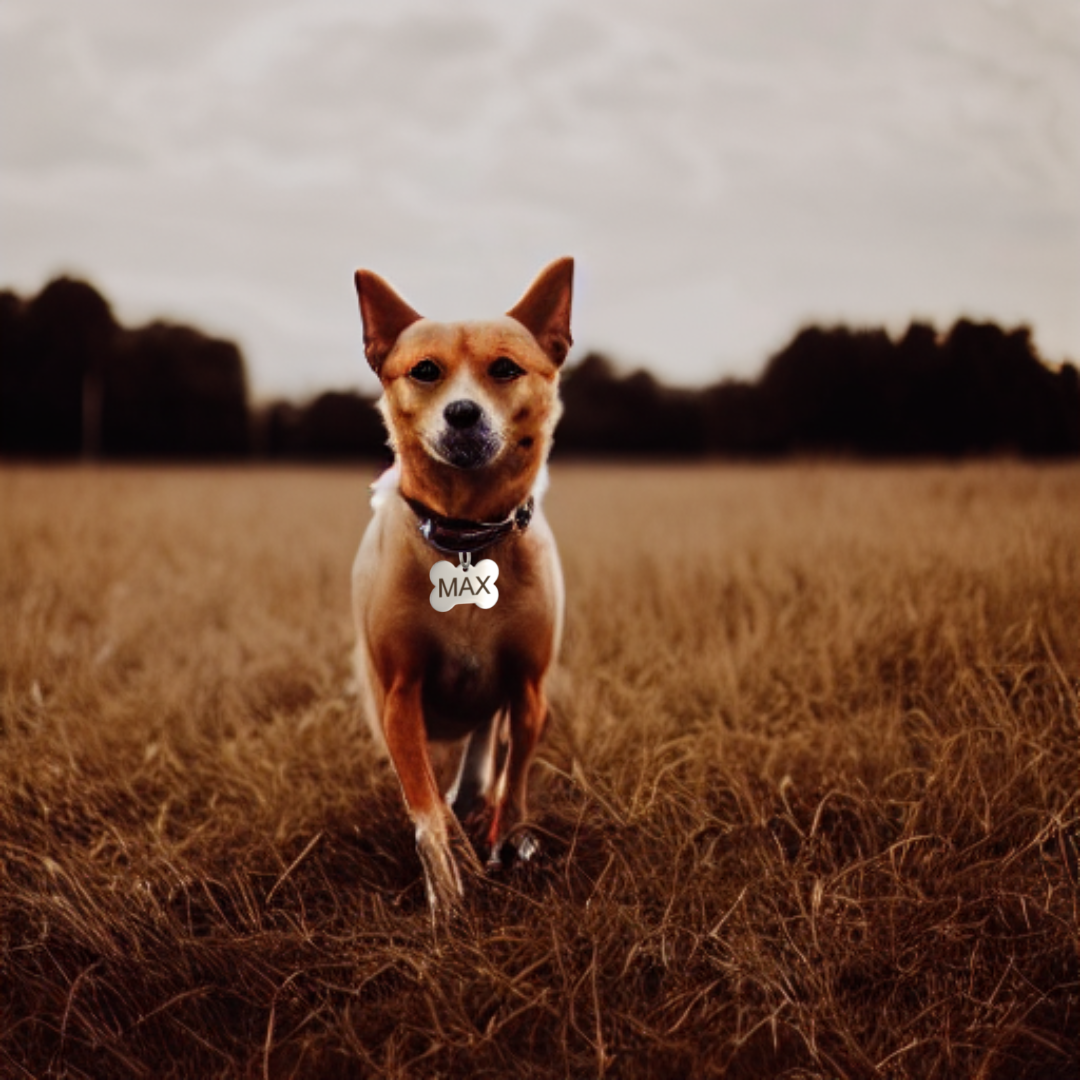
(385, 316)
(544, 310)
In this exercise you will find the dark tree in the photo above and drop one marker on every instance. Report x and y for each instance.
(334, 426)
(978, 390)
(1002, 397)
(604, 413)
(72, 381)
(52, 350)
(737, 423)
(170, 391)
(834, 389)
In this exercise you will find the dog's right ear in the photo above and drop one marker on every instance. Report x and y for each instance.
(385, 316)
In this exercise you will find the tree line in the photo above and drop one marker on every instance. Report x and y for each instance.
(73, 381)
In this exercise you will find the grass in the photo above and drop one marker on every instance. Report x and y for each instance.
(810, 804)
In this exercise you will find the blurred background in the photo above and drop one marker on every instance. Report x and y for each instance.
(846, 225)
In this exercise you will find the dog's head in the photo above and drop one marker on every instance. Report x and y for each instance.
(470, 397)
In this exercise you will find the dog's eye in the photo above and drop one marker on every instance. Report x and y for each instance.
(504, 369)
(426, 371)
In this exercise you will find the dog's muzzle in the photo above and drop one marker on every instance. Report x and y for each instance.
(467, 441)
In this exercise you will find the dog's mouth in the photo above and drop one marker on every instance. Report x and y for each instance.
(471, 449)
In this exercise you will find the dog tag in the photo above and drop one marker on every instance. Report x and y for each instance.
(464, 584)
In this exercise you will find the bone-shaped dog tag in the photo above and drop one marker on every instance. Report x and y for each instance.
(466, 584)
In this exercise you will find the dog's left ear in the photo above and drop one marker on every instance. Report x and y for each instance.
(544, 310)
(385, 316)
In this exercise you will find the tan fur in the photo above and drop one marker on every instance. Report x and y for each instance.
(470, 676)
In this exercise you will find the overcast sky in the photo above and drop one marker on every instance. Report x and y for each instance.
(722, 171)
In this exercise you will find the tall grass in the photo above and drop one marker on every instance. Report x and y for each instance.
(809, 805)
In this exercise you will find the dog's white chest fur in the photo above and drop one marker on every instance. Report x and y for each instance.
(473, 584)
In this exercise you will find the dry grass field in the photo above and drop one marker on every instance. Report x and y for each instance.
(810, 801)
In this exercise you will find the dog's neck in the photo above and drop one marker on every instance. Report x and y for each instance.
(453, 533)
(485, 495)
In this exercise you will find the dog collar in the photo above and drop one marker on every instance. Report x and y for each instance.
(457, 536)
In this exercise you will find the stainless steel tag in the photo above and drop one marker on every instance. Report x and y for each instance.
(468, 583)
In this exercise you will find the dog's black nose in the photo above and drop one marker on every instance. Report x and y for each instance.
(462, 414)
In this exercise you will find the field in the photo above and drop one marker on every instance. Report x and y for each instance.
(809, 804)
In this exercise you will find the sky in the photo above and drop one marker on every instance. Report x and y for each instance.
(723, 172)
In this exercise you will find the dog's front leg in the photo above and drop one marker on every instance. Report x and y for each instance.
(406, 740)
(528, 718)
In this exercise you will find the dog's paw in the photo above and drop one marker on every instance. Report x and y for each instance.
(442, 876)
(519, 848)
(528, 847)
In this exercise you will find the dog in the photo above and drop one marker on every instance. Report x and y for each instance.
(450, 650)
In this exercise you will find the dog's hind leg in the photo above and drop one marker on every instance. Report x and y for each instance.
(479, 790)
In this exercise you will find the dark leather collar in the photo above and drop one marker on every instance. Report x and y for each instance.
(454, 536)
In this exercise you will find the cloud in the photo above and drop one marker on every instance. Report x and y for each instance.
(723, 172)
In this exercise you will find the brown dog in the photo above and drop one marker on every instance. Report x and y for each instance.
(450, 650)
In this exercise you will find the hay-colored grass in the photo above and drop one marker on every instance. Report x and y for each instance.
(810, 802)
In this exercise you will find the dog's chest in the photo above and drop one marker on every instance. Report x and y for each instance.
(460, 675)
(462, 687)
